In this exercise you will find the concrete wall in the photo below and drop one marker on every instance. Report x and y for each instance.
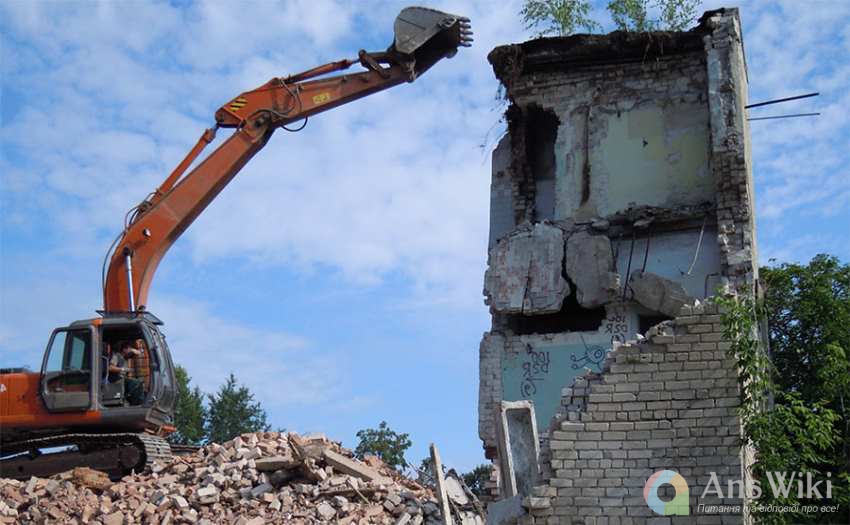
(679, 256)
(638, 209)
(654, 153)
(537, 367)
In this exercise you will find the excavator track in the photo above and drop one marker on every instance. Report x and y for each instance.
(115, 454)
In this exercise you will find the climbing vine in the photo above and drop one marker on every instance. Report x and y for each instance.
(740, 318)
(789, 434)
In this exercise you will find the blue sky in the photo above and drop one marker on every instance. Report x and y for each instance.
(340, 274)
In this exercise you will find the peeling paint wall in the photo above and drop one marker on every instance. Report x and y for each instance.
(654, 154)
(620, 197)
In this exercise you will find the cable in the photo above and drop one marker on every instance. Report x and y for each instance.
(629, 267)
(646, 252)
(297, 97)
(295, 130)
(699, 243)
(106, 258)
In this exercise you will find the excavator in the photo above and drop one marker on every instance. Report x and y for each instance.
(75, 411)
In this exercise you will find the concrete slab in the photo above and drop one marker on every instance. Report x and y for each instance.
(519, 448)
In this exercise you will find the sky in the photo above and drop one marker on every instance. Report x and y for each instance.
(339, 276)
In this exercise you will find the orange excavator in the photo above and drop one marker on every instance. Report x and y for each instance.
(80, 402)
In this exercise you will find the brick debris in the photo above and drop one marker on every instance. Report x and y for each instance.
(264, 477)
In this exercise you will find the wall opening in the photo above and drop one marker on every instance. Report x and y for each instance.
(541, 131)
(571, 318)
(645, 322)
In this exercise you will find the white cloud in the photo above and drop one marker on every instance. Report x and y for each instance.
(280, 368)
(396, 182)
(800, 164)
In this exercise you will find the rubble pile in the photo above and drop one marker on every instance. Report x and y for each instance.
(266, 477)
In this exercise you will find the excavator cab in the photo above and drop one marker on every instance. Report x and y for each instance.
(75, 371)
(75, 401)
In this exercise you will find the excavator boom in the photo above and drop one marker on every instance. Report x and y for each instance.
(422, 38)
(83, 398)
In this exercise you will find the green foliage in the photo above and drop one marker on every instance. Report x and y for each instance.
(558, 17)
(565, 17)
(740, 320)
(425, 472)
(477, 478)
(636, 15)
(806, 428)
(385, 443)
(808, 309)
(189, 413)
(233, 411)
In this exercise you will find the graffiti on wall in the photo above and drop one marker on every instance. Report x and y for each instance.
(535, 368)
(538, 368)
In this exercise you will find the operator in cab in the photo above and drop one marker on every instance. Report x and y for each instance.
(119, 367)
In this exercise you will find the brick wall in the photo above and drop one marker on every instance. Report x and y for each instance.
(668, 402)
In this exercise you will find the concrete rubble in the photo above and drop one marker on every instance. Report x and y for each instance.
(590, 264)
(265, 477)
(525, 272)
(657, 293)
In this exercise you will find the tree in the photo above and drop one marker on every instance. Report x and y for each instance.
(385, 443)
(636, 15)
(189, 412)
(808, 318)
(558, 17)
(477, 478)
(233, 411)
(565, 17)
(805, 429)
(425, 472)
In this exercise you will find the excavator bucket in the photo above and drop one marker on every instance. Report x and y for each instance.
(428, 35)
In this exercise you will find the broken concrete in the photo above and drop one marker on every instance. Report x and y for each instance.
(657, 293)
(440, 483)
(526, 272)
(507, 511)
(211, 486)
(466, 505)
(590, 265)
(352, 468)
(651, 188)
(518, 448)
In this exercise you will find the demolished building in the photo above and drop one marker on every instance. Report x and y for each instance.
(621, 199)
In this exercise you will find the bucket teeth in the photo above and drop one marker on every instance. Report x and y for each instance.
(420, 30)
(425, 36)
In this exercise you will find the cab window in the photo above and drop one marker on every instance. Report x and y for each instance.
(70, 351)
(67, 369)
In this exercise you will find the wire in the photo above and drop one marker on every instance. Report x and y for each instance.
(295, 130)
(297, 97)
(699, 243)
(629, 267)
(785, 116)
(646, 252)
(282, 115)
(129, 218)
(107, 258)
(778, 100)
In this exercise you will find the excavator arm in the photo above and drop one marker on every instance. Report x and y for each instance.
(422, 38)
